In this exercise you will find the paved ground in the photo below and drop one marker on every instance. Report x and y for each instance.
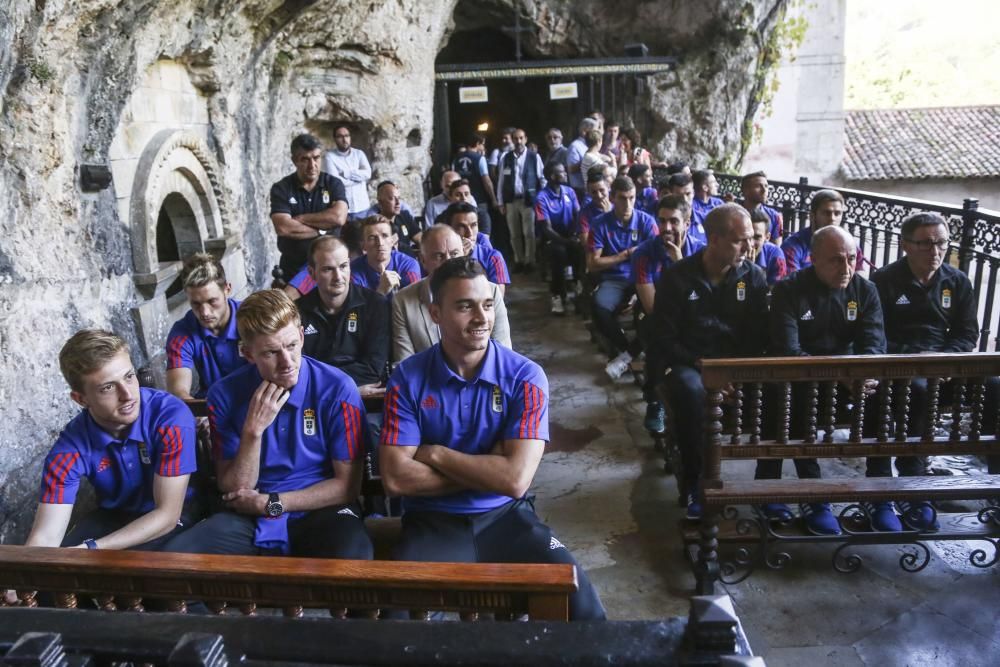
(601, 486)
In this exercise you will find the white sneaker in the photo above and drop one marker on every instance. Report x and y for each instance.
(617, 366)
(557, 306)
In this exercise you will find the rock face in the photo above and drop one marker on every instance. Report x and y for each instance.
(191, 106)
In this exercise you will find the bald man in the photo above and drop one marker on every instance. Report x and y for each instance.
(823, 310)
(436, 205)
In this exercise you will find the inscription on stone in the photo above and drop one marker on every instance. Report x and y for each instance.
(329, 82)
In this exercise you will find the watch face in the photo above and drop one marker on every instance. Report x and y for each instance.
(274, 509)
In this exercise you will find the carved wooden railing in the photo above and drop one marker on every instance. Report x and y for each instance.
(127, 580)
(955, 429)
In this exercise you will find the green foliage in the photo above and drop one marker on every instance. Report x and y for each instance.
(41, 71)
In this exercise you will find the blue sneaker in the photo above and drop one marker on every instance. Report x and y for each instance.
(919, 516)
(819, 518)
(883, 517)
(693, 507)
(655, 414)
(777, 512)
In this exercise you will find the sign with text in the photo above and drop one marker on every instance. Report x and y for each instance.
(473, 94)
(563, 91)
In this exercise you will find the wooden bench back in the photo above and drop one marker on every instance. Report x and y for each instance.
(123, 579)
(830, 377)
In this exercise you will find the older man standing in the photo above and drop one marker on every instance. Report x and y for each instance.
(521, 179)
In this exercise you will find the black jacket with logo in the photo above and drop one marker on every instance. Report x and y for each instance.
(693, 319)
(355, 339)
(937, 317)
(810, 319)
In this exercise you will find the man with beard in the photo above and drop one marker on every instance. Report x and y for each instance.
(351, 166)
(382, 268)
(464, 219)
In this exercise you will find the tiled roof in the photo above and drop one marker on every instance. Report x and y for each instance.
(913, 144)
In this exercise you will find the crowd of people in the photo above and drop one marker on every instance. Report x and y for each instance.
(374, 299)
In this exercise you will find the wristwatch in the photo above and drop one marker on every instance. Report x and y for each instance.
(274, 507)
(91, 543)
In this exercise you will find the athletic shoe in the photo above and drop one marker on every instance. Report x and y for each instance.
(883, 517)
(617, 366)
(777, 512)
(920, 516)
(819, 518)
(557, 306)
(693, 507)
(654, 417)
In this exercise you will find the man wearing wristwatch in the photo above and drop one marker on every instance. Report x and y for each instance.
(288, 434)
(135, 445)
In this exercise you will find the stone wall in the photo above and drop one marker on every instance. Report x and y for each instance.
(194, 103)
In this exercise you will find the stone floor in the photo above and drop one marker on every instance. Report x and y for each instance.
(602, 487)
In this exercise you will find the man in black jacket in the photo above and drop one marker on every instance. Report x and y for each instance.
(709, 305)
(929, 306)
(826, 309)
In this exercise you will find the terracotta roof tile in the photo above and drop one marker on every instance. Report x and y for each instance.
(913, 144)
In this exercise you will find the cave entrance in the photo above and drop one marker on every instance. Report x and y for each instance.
(519, 93)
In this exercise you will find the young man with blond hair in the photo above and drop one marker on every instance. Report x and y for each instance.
(136, 447)
(288, 438)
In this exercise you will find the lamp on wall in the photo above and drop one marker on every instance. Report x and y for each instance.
(94, 177)
(483, 127)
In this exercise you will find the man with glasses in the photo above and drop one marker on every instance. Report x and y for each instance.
(929, 306)
(351, 166)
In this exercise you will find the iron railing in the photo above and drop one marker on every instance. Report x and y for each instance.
(875, 221)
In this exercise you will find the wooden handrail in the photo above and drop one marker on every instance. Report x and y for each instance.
(541, 591)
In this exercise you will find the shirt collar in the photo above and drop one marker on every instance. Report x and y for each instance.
(488, 371)
(230, 333)
(297, 394)
(104, 439)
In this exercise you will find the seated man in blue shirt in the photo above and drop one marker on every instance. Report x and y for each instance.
(205, 339)
(288, 434)
(382, 268)
(706, 187)
(466, 422)
(754, 188)
(646, 195)
(613, 238)
(135, 446)
(651, 258)
(825, 208)
(464, 219)
(556, 211)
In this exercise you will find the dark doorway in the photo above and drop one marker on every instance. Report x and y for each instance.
(177, 236)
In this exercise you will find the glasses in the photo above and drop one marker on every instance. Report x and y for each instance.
(927, 244)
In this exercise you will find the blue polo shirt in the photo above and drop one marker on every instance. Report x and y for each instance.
(777, 223)
(492, 262)
(611, 237)
(191, 345)
(323, 421)
(589, 212)
(646, 202)
(560, 207)
(651, 258)
(483, 239)
(160, 442)
(700, 209)
(428, 403)
(772, 260)
(363, 274)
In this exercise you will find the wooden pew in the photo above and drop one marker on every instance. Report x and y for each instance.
(125, 579)
(739, 436)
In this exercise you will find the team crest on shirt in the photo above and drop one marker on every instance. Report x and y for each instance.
(293, 200)
(326, 197)
(144, 454)
(403, 229)
(104, 464)
(852, 311)
(741, 291)
(635, 235)
(309, 421)
(946, 298)
(497, 399)
(352, 322)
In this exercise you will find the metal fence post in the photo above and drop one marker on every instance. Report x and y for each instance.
(803, 209)
(970, 213)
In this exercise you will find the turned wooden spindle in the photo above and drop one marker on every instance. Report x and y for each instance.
(885, 411)
(734, 439)
(27, 598)
(107, 603)
(420, 615)
(177, 606)
(812, 413)
(976, 420)
(340, 613)
(133, 603)
(712, 457)
(756, 411)
(293, 611)
(249, 609)
(858, 419)
(785, 424)
(933, 397)
(217, 607)
(957, 400)
(469, 616)
(65, 600)
(831, 412)
(903, 414)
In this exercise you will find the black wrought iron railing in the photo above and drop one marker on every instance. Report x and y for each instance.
(875, 220)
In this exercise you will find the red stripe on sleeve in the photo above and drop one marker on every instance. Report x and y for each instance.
(216, 438)
(541, 409)
(50, 477)
(350, 428)
(390, 428)
(58, 469)
(498, 270)
(174, 359)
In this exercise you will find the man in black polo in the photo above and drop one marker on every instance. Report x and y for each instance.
(305, 205)
(471, 165)
(929, 306)
(824, 310)
(711, 304)
(345, 325)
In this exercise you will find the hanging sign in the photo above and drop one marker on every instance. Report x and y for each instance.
(563, 91)
(473, 94)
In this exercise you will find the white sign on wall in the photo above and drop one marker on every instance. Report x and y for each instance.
(563, 91)
(473, 94)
